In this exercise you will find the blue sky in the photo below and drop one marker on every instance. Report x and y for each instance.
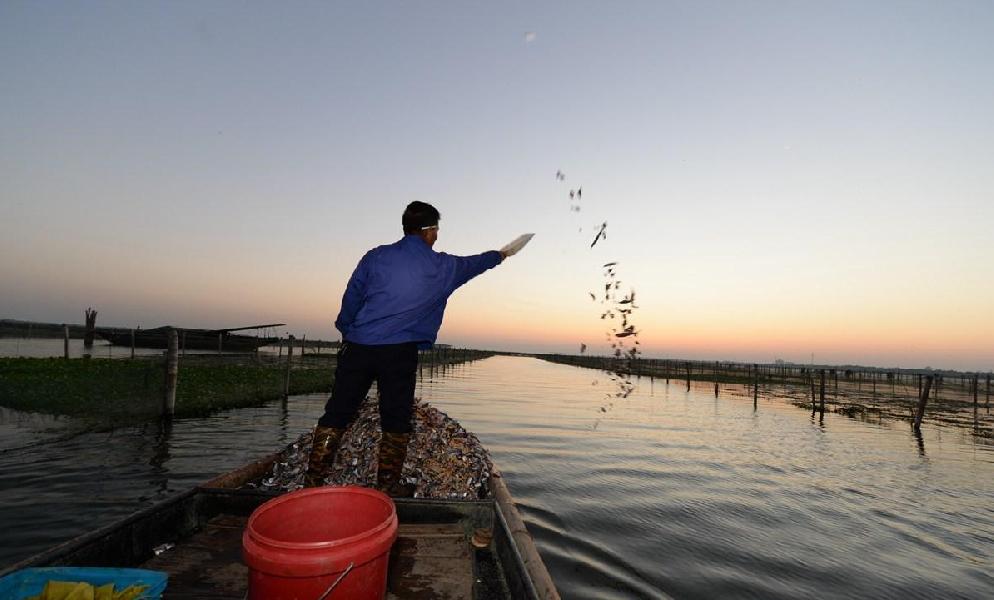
(778, 178)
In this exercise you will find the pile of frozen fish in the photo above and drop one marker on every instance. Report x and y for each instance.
(443, 460)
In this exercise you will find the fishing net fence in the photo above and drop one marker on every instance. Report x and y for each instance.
(954, 398)
(126, 388)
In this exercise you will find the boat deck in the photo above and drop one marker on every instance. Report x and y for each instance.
(428, 561)
(474, 549)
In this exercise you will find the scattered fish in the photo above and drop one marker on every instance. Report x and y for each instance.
(601, 234)
(444, 461)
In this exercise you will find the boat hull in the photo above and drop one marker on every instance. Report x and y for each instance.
(205, 524)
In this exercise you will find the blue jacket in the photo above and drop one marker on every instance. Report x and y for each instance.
(398, 292)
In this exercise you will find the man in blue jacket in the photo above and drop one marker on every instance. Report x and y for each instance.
(392, 306)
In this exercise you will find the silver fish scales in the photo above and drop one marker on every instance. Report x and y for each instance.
(444, 461)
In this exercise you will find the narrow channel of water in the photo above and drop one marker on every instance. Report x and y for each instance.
(681, 494)
(667, 493)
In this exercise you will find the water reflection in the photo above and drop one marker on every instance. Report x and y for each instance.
(682, 495)
(921, 441)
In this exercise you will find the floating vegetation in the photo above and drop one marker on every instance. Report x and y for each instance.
(124, 391)
(444, 461)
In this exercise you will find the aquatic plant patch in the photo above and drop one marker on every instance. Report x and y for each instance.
(130, 389)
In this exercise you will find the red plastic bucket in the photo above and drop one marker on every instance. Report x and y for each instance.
(298, 545)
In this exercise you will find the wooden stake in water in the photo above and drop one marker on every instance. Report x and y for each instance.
(688, 377)
(289, 360)
(65, 342)
(922, 401)
(91, 325)
(755, 385)
(821, 374)
(716, 380)
(172, 373)
(132, 343)
(220, 343)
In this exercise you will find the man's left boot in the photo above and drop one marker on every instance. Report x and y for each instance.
(393, 452)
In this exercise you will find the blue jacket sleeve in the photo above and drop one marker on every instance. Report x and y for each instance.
(354, 296)
(468, 267)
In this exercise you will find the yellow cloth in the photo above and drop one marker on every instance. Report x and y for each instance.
(78, 590)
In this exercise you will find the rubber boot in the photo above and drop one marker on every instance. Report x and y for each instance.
(393, 451)
(326, 441)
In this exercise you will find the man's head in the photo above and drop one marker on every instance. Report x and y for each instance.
(421, 218)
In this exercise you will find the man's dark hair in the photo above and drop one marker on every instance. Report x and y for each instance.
(418, 215)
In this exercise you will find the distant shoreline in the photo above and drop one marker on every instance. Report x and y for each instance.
(14, 328)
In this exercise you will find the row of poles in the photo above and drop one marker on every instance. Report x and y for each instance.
(433, 356)
(172, 370)
(755, 372)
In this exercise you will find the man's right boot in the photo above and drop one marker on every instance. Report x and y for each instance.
(326, 441)
(393, 452)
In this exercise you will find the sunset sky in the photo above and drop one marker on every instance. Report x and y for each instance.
(779, 179)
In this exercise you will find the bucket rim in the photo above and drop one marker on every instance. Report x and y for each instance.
(295, 495)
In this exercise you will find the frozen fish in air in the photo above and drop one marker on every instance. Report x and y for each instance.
(519, 242)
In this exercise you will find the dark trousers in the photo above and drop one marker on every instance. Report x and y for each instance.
(394, 367)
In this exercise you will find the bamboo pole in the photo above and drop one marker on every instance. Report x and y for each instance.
(821, 374)
(91, 323)
(172, 373)
(132, 343)
(755, 385)
(65, 342)
(289, 360)
(922, 401)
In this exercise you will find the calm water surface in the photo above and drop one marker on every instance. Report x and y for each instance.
(668, 493)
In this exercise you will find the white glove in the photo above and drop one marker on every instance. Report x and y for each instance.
(519, 242)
